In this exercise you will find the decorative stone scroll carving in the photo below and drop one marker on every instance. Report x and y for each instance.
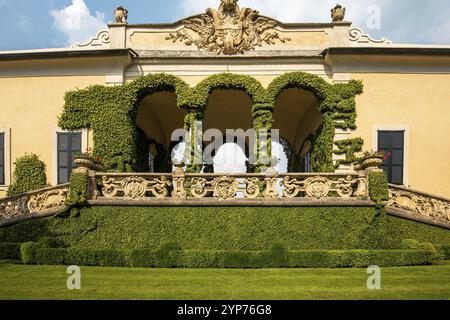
(49, 199)
(229, 30)
(419, 204)
(320, 187)
(99, 41)
(271, 186)
(135, 187)
(357, 35)
(33, 202)
(225, 187)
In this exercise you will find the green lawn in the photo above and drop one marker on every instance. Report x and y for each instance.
(49, 282)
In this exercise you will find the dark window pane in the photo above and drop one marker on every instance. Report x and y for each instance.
(76, 141)
(63, 159)
(63, 174)
(384, 140)
(397, 157)
(397, 140)
(63, 141)
(397, 175)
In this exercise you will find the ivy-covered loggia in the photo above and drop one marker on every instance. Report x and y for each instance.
(111, 113)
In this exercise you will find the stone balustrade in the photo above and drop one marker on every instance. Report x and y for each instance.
(180, 185)
(416, 205)
(33, 204)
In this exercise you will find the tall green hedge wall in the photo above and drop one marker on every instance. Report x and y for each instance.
(111, 111)
(227, 228)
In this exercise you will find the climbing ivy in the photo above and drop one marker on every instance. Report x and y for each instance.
(348, 147)
(111, 112)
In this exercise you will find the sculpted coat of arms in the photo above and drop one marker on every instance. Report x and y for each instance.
(229, 30)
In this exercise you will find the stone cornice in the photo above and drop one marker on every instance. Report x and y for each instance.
(58, 54)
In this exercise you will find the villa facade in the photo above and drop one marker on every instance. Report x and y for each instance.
(391, 97)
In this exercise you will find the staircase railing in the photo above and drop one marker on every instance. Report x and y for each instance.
(420, 206)
(34, 204)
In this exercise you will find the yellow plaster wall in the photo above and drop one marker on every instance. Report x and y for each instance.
(421, 102)
(30, 107)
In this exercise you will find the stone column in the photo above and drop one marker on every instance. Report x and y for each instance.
(263, 120)
(194, 137)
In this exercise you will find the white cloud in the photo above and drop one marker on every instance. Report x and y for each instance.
(77, 23)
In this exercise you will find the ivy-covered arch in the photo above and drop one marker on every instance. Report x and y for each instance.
(111, 111)
(336, 103)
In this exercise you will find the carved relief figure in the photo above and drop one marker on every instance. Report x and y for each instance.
(121, 15)
(228, 30)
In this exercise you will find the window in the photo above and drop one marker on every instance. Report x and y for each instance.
(392, 143)
(307, 161)
(69, 143)
(2, 158)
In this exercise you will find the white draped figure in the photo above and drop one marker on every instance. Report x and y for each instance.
(230, 158)
(281, 166)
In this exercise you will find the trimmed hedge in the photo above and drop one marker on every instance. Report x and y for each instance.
(227, 228)
(175, 258)
(78, 192)
(29, 175)
(378, 186)
(10, 251)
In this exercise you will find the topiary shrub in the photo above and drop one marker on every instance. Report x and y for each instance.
(78, 190)
(29, 175)
(378, 187)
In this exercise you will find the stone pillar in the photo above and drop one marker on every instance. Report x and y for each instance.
(194, 137)
(117, 35)
(263, 120)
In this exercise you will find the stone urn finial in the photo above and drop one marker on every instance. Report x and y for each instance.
(121, 15)
(338, 13)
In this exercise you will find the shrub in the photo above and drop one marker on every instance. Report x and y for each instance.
(33, 253)
(78, 191)
(427, 246)
(167, 254)
(378, 187)
(10, 251)
(29, 175)
(227, 228)
(27, 252)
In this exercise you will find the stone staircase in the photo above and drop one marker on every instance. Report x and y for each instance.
(32, 205)
(418, 206)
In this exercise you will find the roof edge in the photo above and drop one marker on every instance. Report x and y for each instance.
(46, 54)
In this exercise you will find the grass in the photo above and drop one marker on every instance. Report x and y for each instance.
(19, 281)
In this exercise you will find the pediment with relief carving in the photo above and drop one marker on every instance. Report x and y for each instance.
(229, 30)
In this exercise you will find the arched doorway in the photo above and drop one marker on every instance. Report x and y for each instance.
(226, 121)
(297, 117)
(158, 117)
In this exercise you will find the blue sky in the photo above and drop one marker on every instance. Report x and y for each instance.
(33, 24)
